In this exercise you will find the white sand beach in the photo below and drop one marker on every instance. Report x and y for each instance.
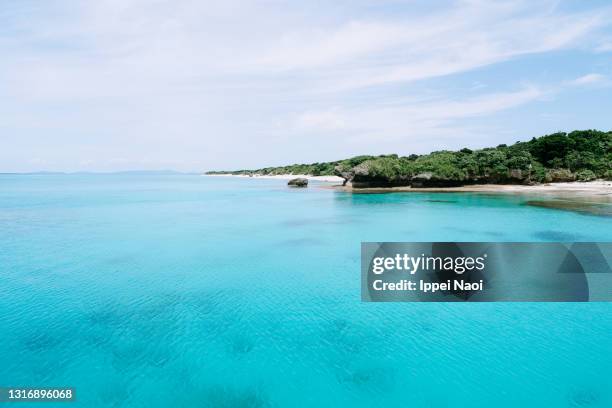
(598, 188)
(327, 179)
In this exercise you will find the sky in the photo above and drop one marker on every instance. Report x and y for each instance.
(194, 85)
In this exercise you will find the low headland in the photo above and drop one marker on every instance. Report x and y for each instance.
(576, 162)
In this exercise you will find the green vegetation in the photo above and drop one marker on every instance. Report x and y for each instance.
(314, 169)
(580, 155)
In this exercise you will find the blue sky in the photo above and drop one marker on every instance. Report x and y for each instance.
(194, 85)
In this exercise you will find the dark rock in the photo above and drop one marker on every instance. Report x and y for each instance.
(429, 179)
(421, 180)
(363, 179)
(298, 182)
(570, 205)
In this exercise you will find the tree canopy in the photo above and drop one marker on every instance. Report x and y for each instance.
(579, 155)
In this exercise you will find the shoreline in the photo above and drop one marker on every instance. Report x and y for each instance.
(596, 189)
(599, 189)
(326, 179)
(591, 197)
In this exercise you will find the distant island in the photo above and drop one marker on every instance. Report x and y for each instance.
(581, 155)
(101, 173)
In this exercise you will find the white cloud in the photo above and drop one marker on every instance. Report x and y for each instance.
(185, 82)
(588, 79)
(109, 48)
(359, 54)
(424, 116)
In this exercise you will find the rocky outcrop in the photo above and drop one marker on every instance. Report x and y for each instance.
(346, 174)
(518, 176)
(429, 179)
(560, 175)
(365, 177)
(387, 172)
(298, 182)
(421, 180)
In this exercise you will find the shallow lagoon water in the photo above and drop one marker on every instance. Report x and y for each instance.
(189, 291)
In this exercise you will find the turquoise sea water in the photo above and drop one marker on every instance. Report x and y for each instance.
(189, 291)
